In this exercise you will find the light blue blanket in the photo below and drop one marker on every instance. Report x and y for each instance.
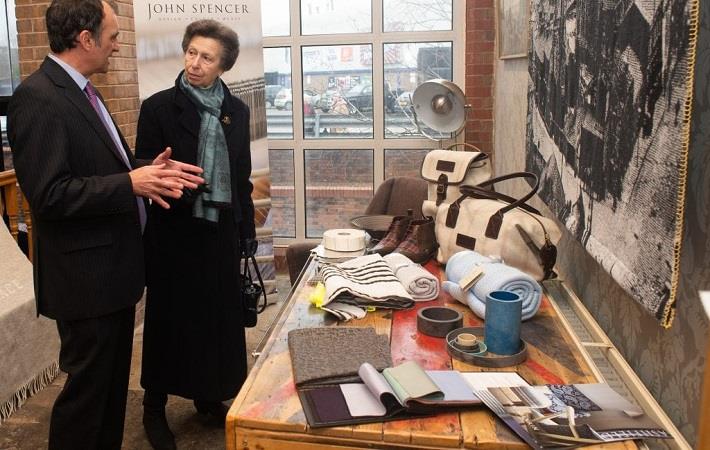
(497, 277)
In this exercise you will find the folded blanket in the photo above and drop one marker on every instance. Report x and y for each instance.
(497, 277)
(416, 280)
(367, 277)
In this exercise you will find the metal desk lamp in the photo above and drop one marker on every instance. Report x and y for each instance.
(441, 105)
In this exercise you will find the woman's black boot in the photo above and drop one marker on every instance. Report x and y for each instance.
(155, 422)
(214, 409)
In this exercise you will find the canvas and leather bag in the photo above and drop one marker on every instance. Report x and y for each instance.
(498, 226)
(447, 170)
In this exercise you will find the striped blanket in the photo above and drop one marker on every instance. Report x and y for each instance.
(364, 281)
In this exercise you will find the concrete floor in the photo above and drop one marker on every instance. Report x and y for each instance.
(27, 429)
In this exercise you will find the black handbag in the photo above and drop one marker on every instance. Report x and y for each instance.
(251, 291)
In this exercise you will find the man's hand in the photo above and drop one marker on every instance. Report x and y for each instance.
(155, 182)
(189, 174)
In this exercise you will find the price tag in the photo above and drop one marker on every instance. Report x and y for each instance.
(471, 278)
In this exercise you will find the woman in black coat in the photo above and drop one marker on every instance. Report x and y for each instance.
(193, 342)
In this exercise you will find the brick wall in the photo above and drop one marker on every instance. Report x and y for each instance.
(119, 86)
(480, 54)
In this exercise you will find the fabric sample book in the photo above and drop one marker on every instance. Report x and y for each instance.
(399, 392)
(331, 355)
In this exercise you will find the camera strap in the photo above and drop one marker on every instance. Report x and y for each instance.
(247, 275)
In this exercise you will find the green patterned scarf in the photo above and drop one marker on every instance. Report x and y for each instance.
(212, 154)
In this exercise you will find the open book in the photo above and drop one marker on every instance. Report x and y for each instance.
(396, 393)
(558, 416)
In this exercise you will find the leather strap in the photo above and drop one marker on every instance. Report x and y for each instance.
(441, 185)
(247, 276)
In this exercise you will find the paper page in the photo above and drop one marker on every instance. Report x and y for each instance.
(484, 380)
(379, 386)
(408, 380)
(452, 384)
(360, 400)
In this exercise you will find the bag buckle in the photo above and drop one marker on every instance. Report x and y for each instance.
(441, 186)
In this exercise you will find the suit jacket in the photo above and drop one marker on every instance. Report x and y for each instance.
(88, 258)
(169, 119)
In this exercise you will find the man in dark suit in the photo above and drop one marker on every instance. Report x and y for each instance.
(87, 194)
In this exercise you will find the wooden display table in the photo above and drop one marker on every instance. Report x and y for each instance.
(267, 413)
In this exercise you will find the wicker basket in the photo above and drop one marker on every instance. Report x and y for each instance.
(376, 225)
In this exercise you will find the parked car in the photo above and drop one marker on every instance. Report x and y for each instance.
(271, 92)
(284, 99)
(359, 98)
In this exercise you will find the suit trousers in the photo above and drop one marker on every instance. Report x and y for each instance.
(90, 410)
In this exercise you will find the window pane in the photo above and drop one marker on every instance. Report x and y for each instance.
(338, 188)
(417, 15)
(9, 60)
(6, 155)
(336, 16)
(275, 18)
(337, 91)
(282, 215)
(406, 67)
(277, 74)
(404, 162)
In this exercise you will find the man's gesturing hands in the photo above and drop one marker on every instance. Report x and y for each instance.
(165, 178)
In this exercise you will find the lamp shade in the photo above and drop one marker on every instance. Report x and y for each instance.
(440, 105)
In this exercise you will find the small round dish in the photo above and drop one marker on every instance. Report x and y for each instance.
(479, 349)
(375, 225)
(467, 340)
(483, 358)
(437, 321)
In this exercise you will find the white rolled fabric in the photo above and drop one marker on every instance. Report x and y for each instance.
(497, 277)
(422, 285)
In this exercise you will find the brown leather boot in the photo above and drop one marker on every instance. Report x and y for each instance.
(395, 234)
(419, 244)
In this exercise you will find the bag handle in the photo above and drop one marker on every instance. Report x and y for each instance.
(493, 195)
(464, 144)
(247, 275)
(495, 222)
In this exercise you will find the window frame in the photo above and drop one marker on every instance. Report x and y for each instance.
(378, 143)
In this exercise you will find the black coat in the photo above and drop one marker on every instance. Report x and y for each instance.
(193, 342)
(88, 252)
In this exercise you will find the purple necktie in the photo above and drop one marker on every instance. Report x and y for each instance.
(94, 100)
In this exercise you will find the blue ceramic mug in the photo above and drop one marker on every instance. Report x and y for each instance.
(502, 328)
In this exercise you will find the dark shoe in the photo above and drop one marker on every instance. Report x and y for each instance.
(214, 410)
(157, 429)
(395, 234)
(419, 244)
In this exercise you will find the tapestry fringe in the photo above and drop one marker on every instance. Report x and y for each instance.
(669, 308)
(36, 384)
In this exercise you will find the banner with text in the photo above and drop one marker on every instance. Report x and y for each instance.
(159, 30)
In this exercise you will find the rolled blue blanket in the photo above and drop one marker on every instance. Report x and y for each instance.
(497, 277)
